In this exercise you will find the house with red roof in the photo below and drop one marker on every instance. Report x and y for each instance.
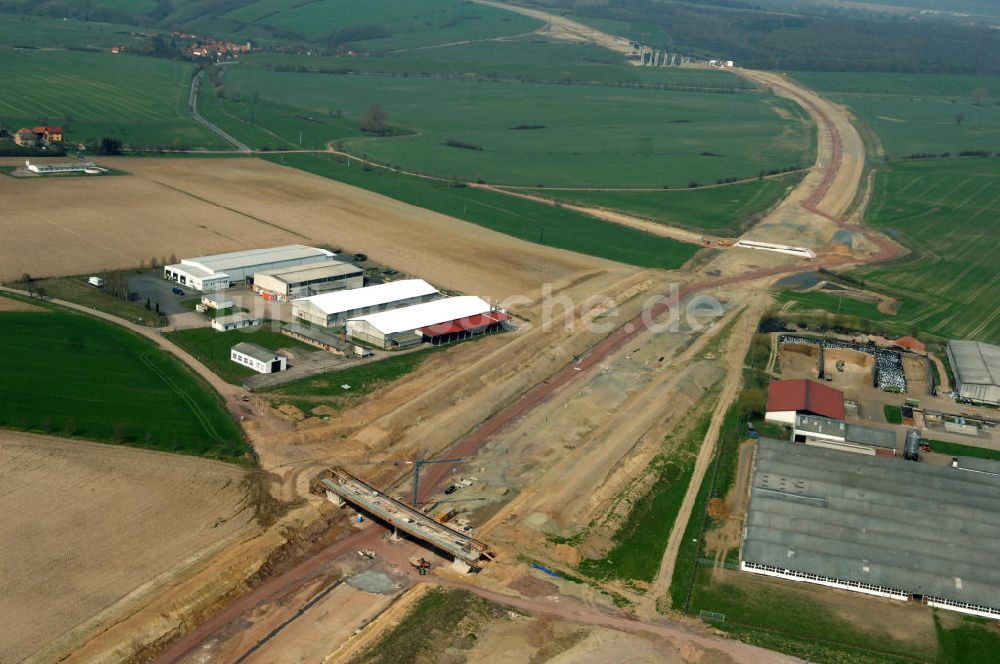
(49, 134)
(788, 398)
(26, 138)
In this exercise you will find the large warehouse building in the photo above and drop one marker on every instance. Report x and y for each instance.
(977, 370)
(885, 527)
(438, 320)
(332, 309)
(207, 273)
(288, 283)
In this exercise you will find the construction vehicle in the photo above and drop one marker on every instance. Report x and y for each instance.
(420, 564)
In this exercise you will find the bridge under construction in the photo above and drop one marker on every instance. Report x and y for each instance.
(342, 487)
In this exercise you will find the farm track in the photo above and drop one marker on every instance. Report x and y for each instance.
(193, 106)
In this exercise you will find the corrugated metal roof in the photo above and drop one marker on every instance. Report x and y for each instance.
(978, 465)
(250, 257)
(339, 302)
(426, 314)
(976, 362)
(819, 424)
(863, 435)
(807, 395)
(916, 527)
(309, 271)
(469, 324)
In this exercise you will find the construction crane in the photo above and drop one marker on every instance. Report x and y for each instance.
(420, 463)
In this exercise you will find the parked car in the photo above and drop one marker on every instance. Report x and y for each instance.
(177, 291)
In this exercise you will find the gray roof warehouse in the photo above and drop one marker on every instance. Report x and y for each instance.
(877, 525)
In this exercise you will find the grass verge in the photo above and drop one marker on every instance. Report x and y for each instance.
(212, 348)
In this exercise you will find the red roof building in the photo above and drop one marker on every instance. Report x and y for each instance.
(462, 328)
(786, 398)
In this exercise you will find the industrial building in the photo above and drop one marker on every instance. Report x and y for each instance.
(257, 358)
(844, 436)
(288, 283)
(216, 301)
(402, 328)
(333, 309)
(906, 531)
(977, 370)
(234, 322)
(207, 273)
(318, 338)
(786, 398)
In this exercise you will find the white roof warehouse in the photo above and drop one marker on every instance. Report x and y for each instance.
(400, 328)
(331, 309)
(223, 270)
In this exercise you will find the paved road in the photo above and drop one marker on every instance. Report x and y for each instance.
(193, 105)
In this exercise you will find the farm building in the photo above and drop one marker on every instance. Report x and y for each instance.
(906, 531)
(207, 273)
(257, 358)
(75, 167)
(234, 322)
(332, 309)
(438, 321)
(844, 436)
(977, 370)
(216, 301)
(786, 398)
(288, 283)
(318, 338)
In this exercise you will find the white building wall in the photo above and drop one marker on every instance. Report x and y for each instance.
(792, 575)
(255, 364)
(780, 417)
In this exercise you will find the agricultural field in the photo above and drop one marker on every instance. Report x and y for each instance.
(141, 101)
(519, 218)
(76, 376)
(515, 133)
(39, 32)
(89, 530)
(377, 25)
(723, 210)
(212, 348)
(528, 59)
(918, 113)
(945, 211)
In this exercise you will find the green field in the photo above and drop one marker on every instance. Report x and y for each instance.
(916, 113)
(530, 134)
(529, 59)
(211, 347)
(725, 210)
(383, 24)
(72, 375)
(142, 101)
(945, 211)
(43, 32)
(519, 218)
(362, 378)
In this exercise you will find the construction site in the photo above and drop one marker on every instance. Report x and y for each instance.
(542, 493)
